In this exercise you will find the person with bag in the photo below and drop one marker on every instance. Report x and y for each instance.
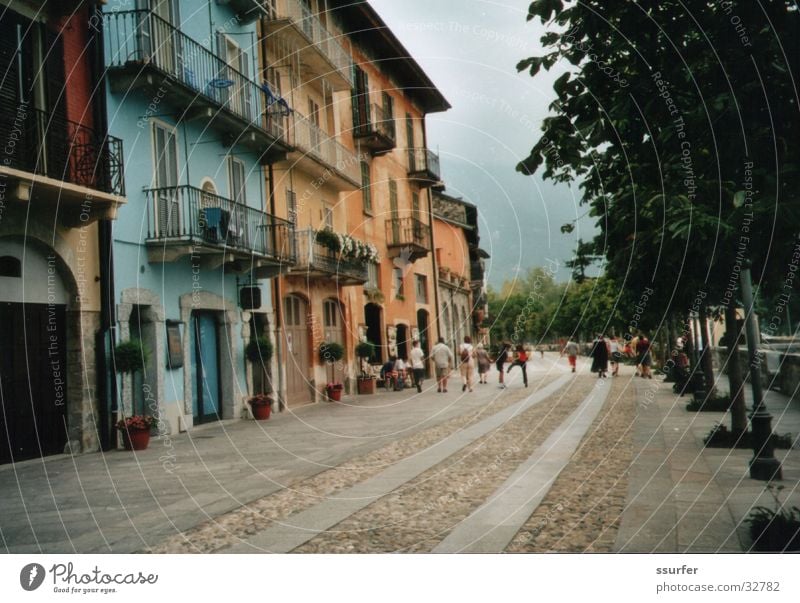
(466, 353)
(521, 361)
(484, 363)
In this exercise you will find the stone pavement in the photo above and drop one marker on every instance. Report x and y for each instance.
(120, 501)
(684, 498)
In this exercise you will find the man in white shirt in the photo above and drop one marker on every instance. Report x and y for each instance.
(443, 359)
(417, 357)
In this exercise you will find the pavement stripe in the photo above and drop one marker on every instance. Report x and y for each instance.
(285, 537)
(491, 527)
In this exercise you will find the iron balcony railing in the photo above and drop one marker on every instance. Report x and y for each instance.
(138, 38)
(44, 144)
(316, 33)
(374, 119)
(191, 215)
(314, 257)
(312, 140)
(401, 232)
(423, 161)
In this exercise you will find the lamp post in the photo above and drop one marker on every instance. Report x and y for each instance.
(763, 466)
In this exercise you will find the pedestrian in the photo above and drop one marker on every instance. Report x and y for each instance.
(417, 357)
(482, 357)
(502, 358)
(643, 355)
(443, 362)
(599, 356)
(541, 350)
(521, 361)
(635, 354)
(466, 354)
(388, 374)
(616, 355)
(571, 350)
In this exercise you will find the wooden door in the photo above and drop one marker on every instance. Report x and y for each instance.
(334, 332)
(297, 361)
(33, 388)
(206, 398)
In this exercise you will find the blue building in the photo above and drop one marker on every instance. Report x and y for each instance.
(197, 235)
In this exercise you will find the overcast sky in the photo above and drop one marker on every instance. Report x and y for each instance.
(470, 49)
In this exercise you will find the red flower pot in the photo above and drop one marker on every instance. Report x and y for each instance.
(261, 412)
(135, 439)
(335, 394)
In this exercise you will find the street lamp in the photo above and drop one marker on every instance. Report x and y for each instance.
(763, 466)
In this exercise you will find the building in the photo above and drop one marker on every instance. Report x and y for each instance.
(198, 242)
(61, 186)
(385, 118)
(460, 261)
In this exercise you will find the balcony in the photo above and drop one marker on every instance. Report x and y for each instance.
(335, 159)
(315, 261)
(423, 167)
(320, 53)
(373, 127)
(407, 238)
(145, 52)
(187, 221)
(70, 168)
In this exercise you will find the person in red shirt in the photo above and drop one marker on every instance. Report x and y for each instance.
(521, 360)
(643, 355)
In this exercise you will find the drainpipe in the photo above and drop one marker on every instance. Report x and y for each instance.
(276, 305)
(105, 336)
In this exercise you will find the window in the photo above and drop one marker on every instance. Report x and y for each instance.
(366, 192)
(372, 276)
(237, 180)
(327, 217)
(398, 282)
(422, 288)
(393, 198)
(330, 313)
(412, 164)
(291, 206)
(415, 205)
(388, 107)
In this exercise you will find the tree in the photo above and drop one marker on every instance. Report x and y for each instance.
(678, 120)
(583, 258)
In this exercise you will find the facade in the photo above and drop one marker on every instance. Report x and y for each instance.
(61, 185)
(385, 116)
(197, 234)
(460, 260)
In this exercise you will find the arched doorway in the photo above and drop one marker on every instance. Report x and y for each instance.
(373, 318)
(295, 333)
(333, 324)
(33, 359)
(403, 345)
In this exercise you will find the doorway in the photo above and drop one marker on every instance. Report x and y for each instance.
(373, 319)
(206, 393)
(295, 319)
(334, 332)
(424, 334)
(402, 341)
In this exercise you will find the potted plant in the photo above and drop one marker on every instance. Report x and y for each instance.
(334, 391)
(329, 239)
(261, 406)
(330, 351)
(128, 357)
(259, 349)
(366, 382)
(135, 431)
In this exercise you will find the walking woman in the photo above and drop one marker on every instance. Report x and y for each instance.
(599, 356)
(502, 357)
(466, 354)
(482, 357)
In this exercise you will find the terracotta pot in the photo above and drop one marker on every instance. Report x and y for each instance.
(261, 412)
(335, 394)
(366, 386)
(135, 439)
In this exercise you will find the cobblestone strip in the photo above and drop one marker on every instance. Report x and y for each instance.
(304, 526)
(230, 528)
(582, 510)
(417, 517)
(491, 527)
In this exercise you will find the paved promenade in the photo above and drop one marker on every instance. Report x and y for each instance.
(412, 472)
